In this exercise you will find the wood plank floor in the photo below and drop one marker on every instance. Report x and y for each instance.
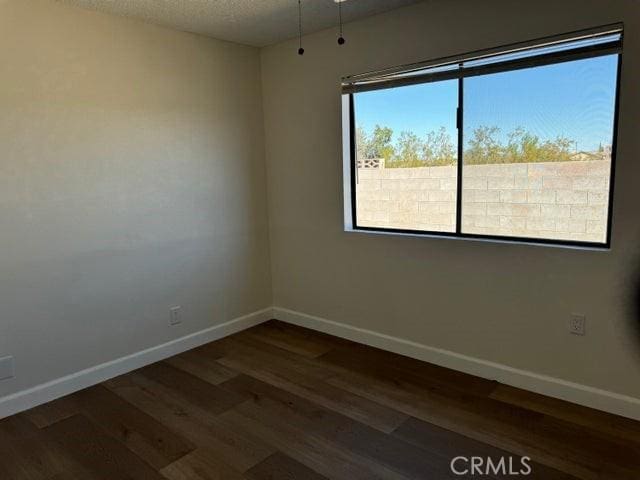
(282, 402)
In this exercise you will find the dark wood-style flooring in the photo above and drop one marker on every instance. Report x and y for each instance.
(282, 402)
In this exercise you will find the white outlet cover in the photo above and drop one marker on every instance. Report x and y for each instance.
(6, 368)
(578, 324)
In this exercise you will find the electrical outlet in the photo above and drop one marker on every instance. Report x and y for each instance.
(577, 324)
(175, 317)
(6, 368)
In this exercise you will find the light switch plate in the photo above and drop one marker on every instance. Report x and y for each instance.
(175, 315)
(6, 368)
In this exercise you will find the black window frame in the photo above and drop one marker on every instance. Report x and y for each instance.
(385, 79)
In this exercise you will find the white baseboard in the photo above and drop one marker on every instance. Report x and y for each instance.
(60, 387)
(553, 387)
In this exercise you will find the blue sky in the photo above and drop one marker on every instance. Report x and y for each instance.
(573, 99)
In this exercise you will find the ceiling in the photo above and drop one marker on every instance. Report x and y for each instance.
(250, 22)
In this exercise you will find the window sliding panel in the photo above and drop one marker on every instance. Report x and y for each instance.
(537, 151)
(406, 157)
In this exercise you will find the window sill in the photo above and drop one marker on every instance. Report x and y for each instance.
(535, 242)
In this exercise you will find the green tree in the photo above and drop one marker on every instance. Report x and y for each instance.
(409, 150)
(558, 150)
(362, 143)
(512, 152)
(380, 143)
(531, 148)
(376, 145)
(524, 147)
(484, 147)
(438, 148)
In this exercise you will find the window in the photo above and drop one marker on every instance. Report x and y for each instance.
(516, 143)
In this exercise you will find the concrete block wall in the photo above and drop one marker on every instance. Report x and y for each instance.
(558, 200)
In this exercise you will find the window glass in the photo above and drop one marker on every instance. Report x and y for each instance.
(489, 148)
(407, 153)
(537, 151)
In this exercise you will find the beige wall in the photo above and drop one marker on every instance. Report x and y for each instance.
(131, 179)
(499, 302)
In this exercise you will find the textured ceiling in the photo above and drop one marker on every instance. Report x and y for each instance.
(251, 22)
